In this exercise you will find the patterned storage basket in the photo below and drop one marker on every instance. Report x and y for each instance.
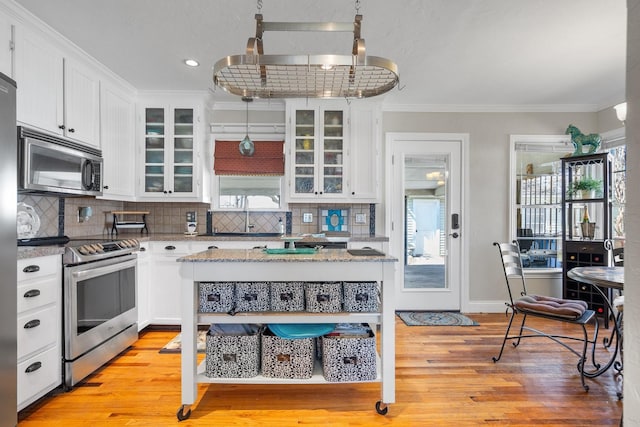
(323, 297)
(287, 296)
(287, 358)
(233, 351)
(360, 296)
(348, 359)
(216, 297)
(252, 296)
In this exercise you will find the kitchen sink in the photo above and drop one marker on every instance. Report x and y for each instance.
(244, 234)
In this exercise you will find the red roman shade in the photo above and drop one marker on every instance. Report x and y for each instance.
(268, 158)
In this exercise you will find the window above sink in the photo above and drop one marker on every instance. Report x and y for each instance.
(249, 192)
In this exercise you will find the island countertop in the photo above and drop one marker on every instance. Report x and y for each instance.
(258, 255)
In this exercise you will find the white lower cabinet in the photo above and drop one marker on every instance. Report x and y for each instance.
(164, 287)
(39, 329)
(164, 278)
(143, 279)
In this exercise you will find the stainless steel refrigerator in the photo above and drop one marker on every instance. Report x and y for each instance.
(8, 252)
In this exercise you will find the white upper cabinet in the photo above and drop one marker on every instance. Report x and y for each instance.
(365, 152)
(334, 151)
(170, 152)
(39, 77)
(117, 134)
(6, 46)
(317, 147)
(55, 94)
(81, 103)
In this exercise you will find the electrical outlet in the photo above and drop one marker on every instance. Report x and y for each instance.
(361, 218)
(307, 217)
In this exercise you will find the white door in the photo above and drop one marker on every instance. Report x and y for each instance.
(424, 176)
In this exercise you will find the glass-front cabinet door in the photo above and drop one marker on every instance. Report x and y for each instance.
(333, 151)
(305, 152)
(154, 150)
(318, 153)
(168, 151)
(183, 150)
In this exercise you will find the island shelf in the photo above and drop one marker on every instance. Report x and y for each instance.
(254, 265)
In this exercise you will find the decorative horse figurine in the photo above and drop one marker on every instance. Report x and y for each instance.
(579, 140)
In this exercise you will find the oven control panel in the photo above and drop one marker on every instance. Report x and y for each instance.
(93, 251)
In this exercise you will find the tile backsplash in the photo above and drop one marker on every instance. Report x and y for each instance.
(59, 216)
(361, 220)
(48, 209)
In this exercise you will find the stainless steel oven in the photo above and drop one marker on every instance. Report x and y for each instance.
(99, 305)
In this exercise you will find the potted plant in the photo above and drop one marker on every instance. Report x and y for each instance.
(586, 188)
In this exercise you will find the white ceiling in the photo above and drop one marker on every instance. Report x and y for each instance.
(501, 55)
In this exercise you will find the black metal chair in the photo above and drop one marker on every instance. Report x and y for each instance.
(561, 310)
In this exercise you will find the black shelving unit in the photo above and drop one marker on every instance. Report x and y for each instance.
(580, 249)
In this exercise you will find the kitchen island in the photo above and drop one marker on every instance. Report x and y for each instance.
(257, 265)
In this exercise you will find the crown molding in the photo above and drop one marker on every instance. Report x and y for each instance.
(506, 108)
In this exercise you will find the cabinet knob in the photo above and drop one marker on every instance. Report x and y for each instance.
(353, 193)
(31, 269)
(71, 130)
(61, 127)
(212, 247)
(170, 248)
(142, 249)
(105, 187)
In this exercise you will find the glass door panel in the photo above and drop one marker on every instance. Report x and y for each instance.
(154, 150)
(425, 221)
(183, 150)
(333, 142)
(304, 155)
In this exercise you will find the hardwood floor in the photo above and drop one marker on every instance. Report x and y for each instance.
(445, 377)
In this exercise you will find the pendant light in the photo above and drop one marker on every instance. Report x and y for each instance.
(246, 145)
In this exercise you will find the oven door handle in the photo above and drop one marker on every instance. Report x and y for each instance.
(89, 271)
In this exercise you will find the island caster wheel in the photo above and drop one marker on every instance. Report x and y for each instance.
(182, 415)
(381, 408)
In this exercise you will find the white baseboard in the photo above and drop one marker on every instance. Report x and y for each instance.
(484, 307)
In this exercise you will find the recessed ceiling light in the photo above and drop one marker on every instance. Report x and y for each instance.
(191, 62)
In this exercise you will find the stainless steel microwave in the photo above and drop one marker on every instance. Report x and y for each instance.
(49, 164)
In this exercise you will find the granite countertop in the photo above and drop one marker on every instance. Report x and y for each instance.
(154, 237)
(26, 252)
(258, 255)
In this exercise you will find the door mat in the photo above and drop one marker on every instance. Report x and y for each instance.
(435, 318)
(175, 344)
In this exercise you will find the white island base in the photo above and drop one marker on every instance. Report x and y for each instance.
(254, 265)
